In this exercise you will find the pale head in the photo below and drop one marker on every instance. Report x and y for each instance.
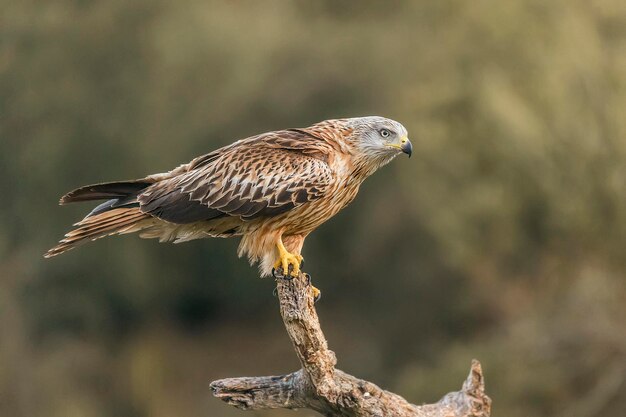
(377, 140)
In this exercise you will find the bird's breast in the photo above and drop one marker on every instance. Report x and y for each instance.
(305, 218)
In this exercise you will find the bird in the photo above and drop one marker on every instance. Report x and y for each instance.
(271, 189)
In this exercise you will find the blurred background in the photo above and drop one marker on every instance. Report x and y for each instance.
(502, 239)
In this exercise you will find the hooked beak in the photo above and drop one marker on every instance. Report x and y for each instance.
(405, 146)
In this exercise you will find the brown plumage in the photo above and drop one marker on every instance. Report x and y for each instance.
(271, 189)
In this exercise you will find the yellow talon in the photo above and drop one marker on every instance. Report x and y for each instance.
(285, 259)
(317, 294)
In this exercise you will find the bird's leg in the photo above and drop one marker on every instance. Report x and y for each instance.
(285, 259)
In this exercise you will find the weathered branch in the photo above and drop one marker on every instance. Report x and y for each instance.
(321, 387)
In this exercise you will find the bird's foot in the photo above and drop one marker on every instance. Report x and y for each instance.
(288, 262)
(317, 294)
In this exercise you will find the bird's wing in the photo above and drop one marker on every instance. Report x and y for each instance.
(262, 176)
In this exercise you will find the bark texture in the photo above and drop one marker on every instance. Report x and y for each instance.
(329, 391)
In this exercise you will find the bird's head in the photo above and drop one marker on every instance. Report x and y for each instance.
(377, 140)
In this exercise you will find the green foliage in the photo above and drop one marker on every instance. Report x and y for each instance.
(502, 238)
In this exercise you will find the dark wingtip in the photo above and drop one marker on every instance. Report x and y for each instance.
(105, 191)
(64, 200)
(71, 196)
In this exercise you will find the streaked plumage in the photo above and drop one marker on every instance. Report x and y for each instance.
(273, 187)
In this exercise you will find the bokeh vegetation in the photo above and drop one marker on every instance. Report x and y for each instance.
(503, 238)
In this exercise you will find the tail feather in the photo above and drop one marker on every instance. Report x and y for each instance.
(114, 221)
(120, 214)
(106, 217)
(86, 230)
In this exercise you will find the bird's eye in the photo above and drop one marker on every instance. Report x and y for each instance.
(384, 133)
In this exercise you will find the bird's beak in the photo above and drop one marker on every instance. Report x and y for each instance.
(405, 146)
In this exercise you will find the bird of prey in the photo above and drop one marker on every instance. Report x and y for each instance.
(271, 189)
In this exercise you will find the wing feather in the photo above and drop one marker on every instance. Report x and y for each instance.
(262, 176)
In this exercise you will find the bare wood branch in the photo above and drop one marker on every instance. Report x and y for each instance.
(331, 392)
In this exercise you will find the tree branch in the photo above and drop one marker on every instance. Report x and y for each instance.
(331, 392)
